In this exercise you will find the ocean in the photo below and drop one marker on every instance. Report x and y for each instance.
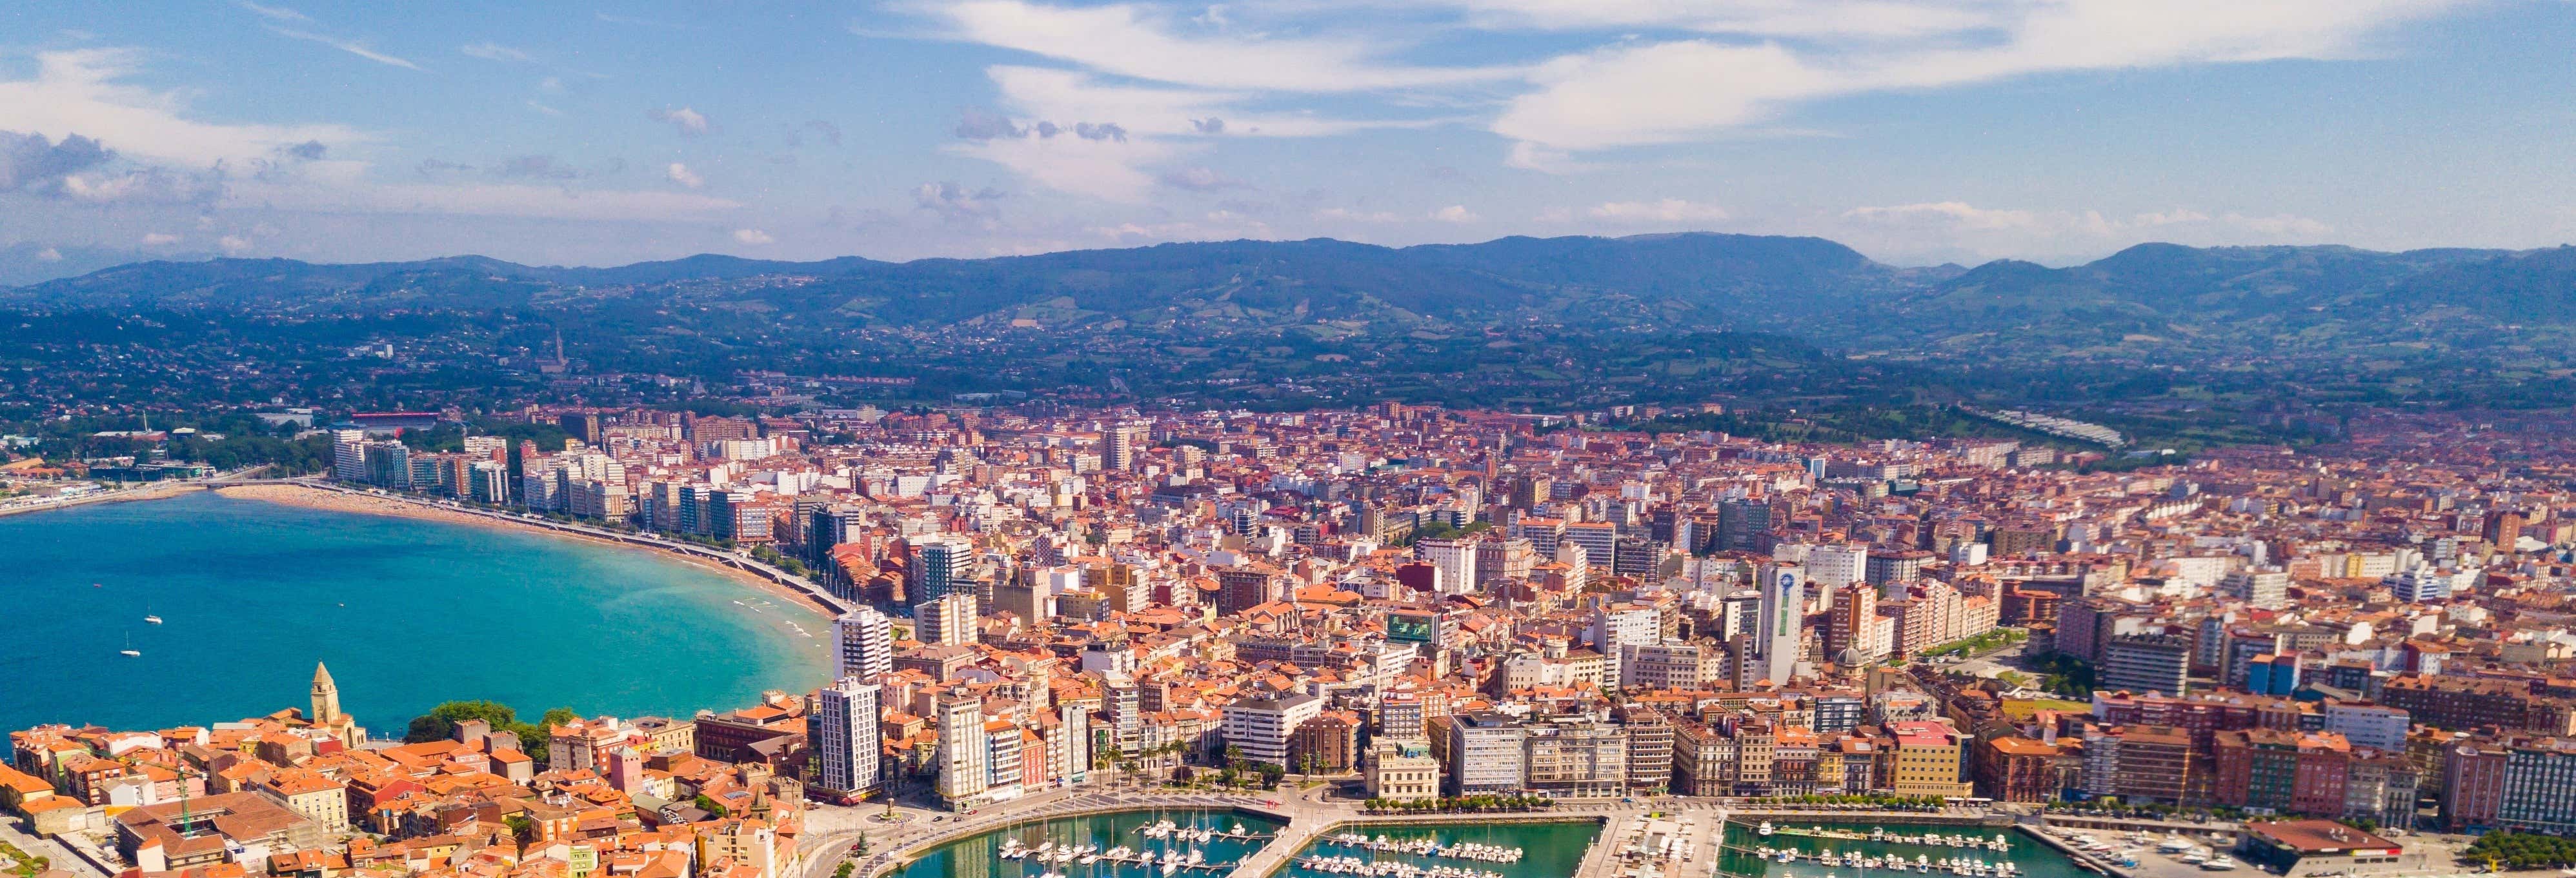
(407, 614)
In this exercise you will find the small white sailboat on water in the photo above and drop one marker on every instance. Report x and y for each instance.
(129, 651)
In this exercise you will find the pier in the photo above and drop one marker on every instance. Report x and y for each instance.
(1169, 861)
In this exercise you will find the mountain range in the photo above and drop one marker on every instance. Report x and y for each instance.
(2148, 304)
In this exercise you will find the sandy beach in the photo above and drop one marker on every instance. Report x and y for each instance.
(376, 504)
(153, 491)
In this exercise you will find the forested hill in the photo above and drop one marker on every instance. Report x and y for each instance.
(1539, 321)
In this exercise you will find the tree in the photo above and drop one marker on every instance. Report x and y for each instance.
(708, 804)
(439, 723)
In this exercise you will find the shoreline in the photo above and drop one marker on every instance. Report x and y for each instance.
(354, 503)
(147, 491)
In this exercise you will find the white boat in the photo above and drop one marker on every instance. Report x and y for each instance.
(129, 651)
(156, 620)
(2219, 863)
(1764, 829)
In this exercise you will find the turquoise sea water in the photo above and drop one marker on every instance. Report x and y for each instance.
(2027, 854)
(981, 856)
(407, 613)
(1549, 850)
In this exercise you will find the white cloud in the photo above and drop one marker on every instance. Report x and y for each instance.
(170, 157)
(1666, 91)
(274, 13)
(81, 92)
(1966, 230)
(2175, 216)
(1133, 41)
(1759, 18)
(1455, 213)
(233, 245)
(1215, 225)
(687, 121)
(680, 173)
(159, 239)
(347, 194)
(1340, 214)
(1103, 169)
(1953, 213)
(146, 186)
(49, 254)
(1660, 211)
(956, 202)
(350, 46)
(550, 111)
(491, 51)
(1045, 108)
(753, 236)
(2279, 225)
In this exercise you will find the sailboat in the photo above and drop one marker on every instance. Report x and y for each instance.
(148, 617)
(129, 651)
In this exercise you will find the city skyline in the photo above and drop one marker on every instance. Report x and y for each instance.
(1917, 132)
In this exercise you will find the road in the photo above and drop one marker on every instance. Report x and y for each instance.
(47, 848)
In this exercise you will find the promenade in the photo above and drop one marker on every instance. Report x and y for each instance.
(139, 492)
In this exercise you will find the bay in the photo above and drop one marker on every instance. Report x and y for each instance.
(407, 613)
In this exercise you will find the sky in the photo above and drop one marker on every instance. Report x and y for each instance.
(1917, 131)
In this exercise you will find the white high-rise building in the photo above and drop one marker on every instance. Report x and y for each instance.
(846, 737)
(949, 619)
(1578, 564)
(2265, 589)
(1260, 727)
(863, 642)
(939, 567)
(1126, 442)
(1622, 625)
(1784, 617)
(964, 760)
(1832, 567)
(349, 455)
(1456, 561)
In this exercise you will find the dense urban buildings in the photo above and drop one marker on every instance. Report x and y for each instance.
(1435, 602)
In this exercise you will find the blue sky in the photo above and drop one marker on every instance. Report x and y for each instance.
(1917, 131)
